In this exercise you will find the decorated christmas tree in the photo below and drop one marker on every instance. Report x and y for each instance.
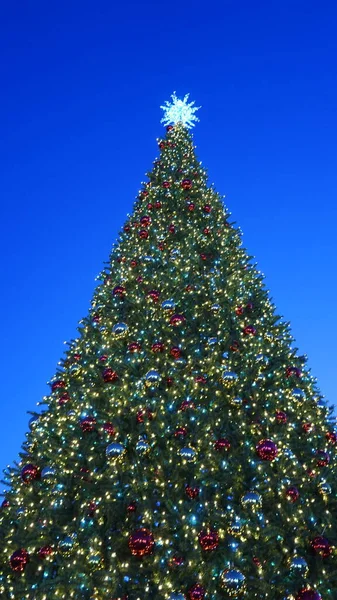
(184, 451)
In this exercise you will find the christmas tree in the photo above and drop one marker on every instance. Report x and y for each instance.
(184, 451)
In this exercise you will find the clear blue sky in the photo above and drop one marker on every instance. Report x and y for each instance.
(81, 86)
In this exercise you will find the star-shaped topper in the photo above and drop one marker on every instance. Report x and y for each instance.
(179, 111)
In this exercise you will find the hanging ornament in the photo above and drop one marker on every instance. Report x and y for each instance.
(88, 424)
(188, 454)
(208, 539)
(134, 347)
(239, 310)
(48, 473)
(267, 450)
(233, 582)
(196, 592)
(19, 560)
(207, 209)
(132, 507)
(141, 542)
(323, 458)
(119, 291)
(191, 206)
(299, 566)
(177, 596)
(308, 594)
(222, 444)
(58, 384)
(153, 295)
(249, 330)
(30, 473)
(331, 437)
(168, 304)
(236, 527)
(66, 545)
(298, 394)
(119, 330)
(324, 488)
(180, 432)
(109, 429)
(307, 427)
(292, 494)
(175, 352)
(321, 546)
(186, 184)
(64, 399)
(192, 492)
(142, 447)
(166, 185)
(109, 375)
(177, 320)
(252, 500)
(152, 378)
(45, 551)
(229, 378)
(281, 416)
(293, 372)
(115, 451)
(145, 221)
(158, 347)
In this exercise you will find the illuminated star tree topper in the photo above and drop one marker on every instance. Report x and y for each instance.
(179, 111)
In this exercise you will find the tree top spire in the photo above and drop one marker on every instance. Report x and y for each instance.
(180, 111)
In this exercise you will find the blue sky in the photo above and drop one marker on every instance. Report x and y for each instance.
(82, 83)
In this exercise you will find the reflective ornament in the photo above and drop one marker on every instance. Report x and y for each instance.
(180, 432)
(222, 445)
(293, 372)
(142, 447)
(141, 542)
(299, 566)
(252, 500)
(109, 375)
(48, 473)
(19, 560)
(266, 450)
(236, 401)
(145, 221)
(120, 330)
(249, 330)
(115, 451)
(331, 437)
(215, 308)
(119, 290)
(158, 347)
(323, 458)
(66, 545)
(186, 184)
(307, 427)
(192, 492)
(45, 551)
(30, 473)
(235, 528)
(196, 592)
(324, 488)
(134, 347)
(281, 416)
(152, 378)
(64, 399)
(168, 304)
(208, 539)
(298, 394)
(87, 424)
(153, 295)
(308, 594)
(321, 546)
(292, 494)
(176, 596)
(174, 254)
(58, 384)
(233, 582)
(175, 352)
(229, 378)
(177, 320)
(188, 454)
(109, 429)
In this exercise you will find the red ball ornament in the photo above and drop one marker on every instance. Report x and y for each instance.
(144, 193)
(186, 404)
(166, 184)
(203, 256)
(177, 561)
(234, 347)
(292, 494)
(145, 221)
(76, 356)
(133, 263)
(307, 427)
(206, 231)
(191, 206)
(175, 352)
(109, 375)
(181, 432)
(249, 330)
(323, 458)
(208, 539)
(158, 205)
(222, 445)
(308, 594)
(162, 145)
(172, 228)
(196, 592)
(134, 347)
(169, 128)
(200, 379)
(192, 492)
(30, 473)
(281, 416)
(103, 358)
(141, 542)
(249, 307)
(45, 551)
(88, 424)
(132, 507)
(321, 546)
(266, 450)
(150, 206)
(177, 320)
(57, 385)
(186, 184)
(169, 381)
(96, 318)
(239, 311)
(119, 290)
(143, 234)
(331, 437)
(207, 208)
(157, 347)
(19, 560)
(127, 228)
(92, 508)
(64, 399)
(153, 295)
(293, 372)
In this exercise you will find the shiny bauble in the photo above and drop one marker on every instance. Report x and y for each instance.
(222, 445)
(186, 184)
(45, 551)
(233, 582)
(177, 320)
(187, 453)
(153, 295)
(229, 378)
(196, 592)
(235, 528)
(215, 308)
(19, 560)
(145, 221)
(174, 254)
(266, 450)
(236, 401)
(251, 500)
(141, 542)
(132, 507)
(307, 427)
(298, 394)
(166, 185)
(321, 546)
(308, 594)
(293, 372)
(64, 399)
(143, 234)
(152, 378)
(119, 291)
(48, 473)
(299, 566)
(57, 385)
(180, 433)
(66, 545)
(208, 539)
(119, 330)
(249, 330)
(281, 416)
(176, 596)
(30, 473)
(168, 304)
(331, 437)
(142, 447)
(192, 492)
(292, 494)
(109, 429)
(323, 458)
(134, 347)
(324, 488)
(207, 208)
(175, 352)
(95, 561)
(88, 424)
(115, 451)
(109, 375)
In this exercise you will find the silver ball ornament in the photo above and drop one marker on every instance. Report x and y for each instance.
(188, 453)
(120, 330)
(115, 451)
(233, 582)
(229, 378)
(299, 565)
(48, 473)
(142, 447)
(152, 378)
(252, 500)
